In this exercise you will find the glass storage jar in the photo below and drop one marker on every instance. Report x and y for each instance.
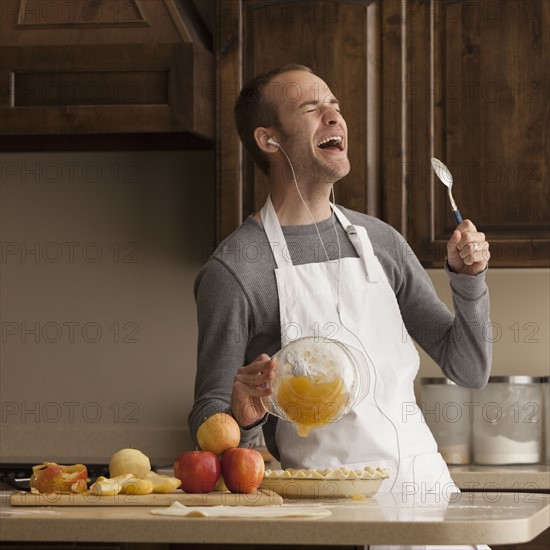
(447, 410)
(508, 421)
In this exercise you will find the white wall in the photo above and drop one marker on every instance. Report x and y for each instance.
(520, 317)
(99, 254)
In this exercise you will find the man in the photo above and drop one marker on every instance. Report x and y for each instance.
(302, 268)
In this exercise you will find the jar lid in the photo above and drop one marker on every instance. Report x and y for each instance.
(437, 380)
(515, 379)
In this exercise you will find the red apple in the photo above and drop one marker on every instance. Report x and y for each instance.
(50, 477)
(198, 471)
(242, 470)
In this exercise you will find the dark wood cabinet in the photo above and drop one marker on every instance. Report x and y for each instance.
(475, 94)
(463, 81)
(339, 41)
(85, 68)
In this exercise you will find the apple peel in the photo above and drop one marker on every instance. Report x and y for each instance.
(50, 477)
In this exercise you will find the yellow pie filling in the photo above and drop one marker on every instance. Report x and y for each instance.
(311, 402)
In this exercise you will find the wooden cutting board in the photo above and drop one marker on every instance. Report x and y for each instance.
(262, 497)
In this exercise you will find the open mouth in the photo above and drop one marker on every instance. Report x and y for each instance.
(332, 142)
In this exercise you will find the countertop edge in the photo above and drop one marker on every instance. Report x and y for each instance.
(140, 526)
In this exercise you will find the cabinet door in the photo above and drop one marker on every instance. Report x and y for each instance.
(466, 82)
(475, 92)
(339, 41)
(89, 75)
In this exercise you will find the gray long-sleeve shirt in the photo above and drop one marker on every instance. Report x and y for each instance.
(238, 309)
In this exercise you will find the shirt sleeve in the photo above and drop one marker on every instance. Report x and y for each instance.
(460, 343)
(223, 315)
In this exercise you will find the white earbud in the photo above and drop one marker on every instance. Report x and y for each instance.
(271, 141)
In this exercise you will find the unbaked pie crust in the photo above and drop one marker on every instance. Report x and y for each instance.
(326, 484)
(328, 473)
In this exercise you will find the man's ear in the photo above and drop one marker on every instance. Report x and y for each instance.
(261, 135)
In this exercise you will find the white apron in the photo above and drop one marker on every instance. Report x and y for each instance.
(386, 429)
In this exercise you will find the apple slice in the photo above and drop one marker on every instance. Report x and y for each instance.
(136, 486)
(163, 483)
(109, 487)
(221, 486)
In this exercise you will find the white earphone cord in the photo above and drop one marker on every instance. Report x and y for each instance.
(338, 302)
(304, 202)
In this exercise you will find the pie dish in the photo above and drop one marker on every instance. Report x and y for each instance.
(324, 484)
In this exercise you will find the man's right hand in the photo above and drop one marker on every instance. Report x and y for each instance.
(250, 384)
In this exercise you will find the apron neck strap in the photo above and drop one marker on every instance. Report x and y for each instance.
(361, 242)
(274, 233)
(344, 222)
(277, 241)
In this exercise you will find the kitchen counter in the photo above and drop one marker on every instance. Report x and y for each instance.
(467, 518)
(527, 478)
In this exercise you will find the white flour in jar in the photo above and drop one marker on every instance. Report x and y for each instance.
(455, 454)
(499, 449)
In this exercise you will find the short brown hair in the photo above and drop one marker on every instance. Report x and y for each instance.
(253, 110)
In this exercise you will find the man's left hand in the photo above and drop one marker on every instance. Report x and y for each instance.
(467, 250)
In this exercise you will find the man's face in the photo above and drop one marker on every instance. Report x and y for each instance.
(313, 132)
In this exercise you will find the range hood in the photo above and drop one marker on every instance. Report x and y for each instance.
(105, 69)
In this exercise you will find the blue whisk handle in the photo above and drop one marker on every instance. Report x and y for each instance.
(458, 216)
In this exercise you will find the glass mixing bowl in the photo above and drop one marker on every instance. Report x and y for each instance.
(317, 381)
